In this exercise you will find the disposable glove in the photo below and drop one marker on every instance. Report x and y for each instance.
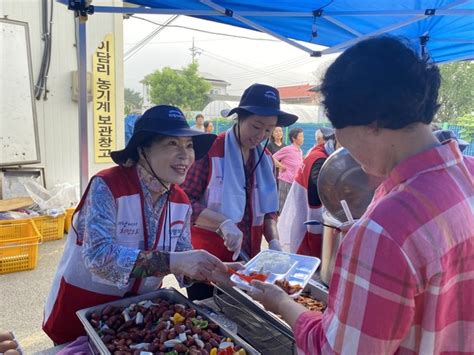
(232, 236)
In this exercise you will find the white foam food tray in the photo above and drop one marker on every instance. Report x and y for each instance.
(296, 269)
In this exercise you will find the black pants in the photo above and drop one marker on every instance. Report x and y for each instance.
(200, 291)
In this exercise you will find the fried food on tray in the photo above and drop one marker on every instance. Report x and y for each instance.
(311, 303)
(287, 287)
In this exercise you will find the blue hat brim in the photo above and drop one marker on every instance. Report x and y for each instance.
(202, 142)
(285, 119)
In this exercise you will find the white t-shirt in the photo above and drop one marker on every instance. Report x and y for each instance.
(197, 128)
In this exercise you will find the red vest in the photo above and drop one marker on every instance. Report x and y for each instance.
(75, 287)
(209, 240)
(294, 235)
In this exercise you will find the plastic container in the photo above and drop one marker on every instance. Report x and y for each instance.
(296, 269)
(50, 228)
(68, 220)
(19, 240)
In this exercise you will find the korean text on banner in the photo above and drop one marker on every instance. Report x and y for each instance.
(103, 76)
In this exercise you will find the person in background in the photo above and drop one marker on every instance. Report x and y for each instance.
(403, 277)
(275, 144)
(199, 123)
(276, 140)
(288, 160)
(208, 127)
(321, 136)
(232, 189)
(132, 225)
(318, 136)
(303, 203)
(445, 134)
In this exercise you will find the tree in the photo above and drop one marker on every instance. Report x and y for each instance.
(467, 126)
(133, 101)
(182, 88)
(456, 94)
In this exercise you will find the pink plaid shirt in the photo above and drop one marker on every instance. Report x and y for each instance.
(404, 275)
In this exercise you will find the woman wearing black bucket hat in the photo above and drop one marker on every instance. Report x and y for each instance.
(132, 226)
(233, 189)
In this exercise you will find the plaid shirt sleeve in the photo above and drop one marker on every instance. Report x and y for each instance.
(371, 302)
(195, 185)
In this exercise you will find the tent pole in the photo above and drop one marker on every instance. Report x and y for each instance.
(82, 69)
(252, 24)
(392, 27)
(343, 26)
(190, 12)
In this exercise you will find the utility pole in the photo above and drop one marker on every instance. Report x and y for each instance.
(195, 51)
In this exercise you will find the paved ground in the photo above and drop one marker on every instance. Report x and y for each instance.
(22, 297)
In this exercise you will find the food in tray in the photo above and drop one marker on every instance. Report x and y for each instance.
(287, 287)
(160, 327)
(275, 263)
(311, 303)
(250, 277)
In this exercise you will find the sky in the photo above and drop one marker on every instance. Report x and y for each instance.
(239, 61)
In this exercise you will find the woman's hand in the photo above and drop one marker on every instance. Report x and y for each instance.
(223, 278)
(277, 301)
(232, 237)
(271, 296)
(196, 264)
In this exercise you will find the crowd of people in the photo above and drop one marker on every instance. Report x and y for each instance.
(185, 202)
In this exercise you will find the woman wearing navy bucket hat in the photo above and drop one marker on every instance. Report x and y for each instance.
(132, 225)
(232, 189)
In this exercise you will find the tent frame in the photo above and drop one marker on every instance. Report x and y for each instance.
(83, 8)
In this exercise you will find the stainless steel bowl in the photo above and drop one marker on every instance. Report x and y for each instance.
(342, 178)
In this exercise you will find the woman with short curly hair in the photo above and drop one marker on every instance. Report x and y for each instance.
(402, 281)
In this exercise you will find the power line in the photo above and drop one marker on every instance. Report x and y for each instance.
(204, 31)
(256, 72)
(176, 42)
(229, 62)
(274, 69)
(135, 49)
(290, 63)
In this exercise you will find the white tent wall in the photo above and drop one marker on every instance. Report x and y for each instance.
(306, 113)
(58, 125)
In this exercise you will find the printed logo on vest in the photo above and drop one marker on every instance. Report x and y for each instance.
(176, 229)
(128, 228)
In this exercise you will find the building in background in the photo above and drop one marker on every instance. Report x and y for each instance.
(57, 115)
(299, 94)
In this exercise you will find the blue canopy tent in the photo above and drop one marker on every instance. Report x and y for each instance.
(442, 29)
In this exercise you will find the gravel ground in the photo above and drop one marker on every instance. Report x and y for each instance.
(23, 294)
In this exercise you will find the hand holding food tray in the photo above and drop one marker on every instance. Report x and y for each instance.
(289, 271)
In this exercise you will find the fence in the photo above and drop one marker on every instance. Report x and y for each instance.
(308, 129)
(457, 131)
